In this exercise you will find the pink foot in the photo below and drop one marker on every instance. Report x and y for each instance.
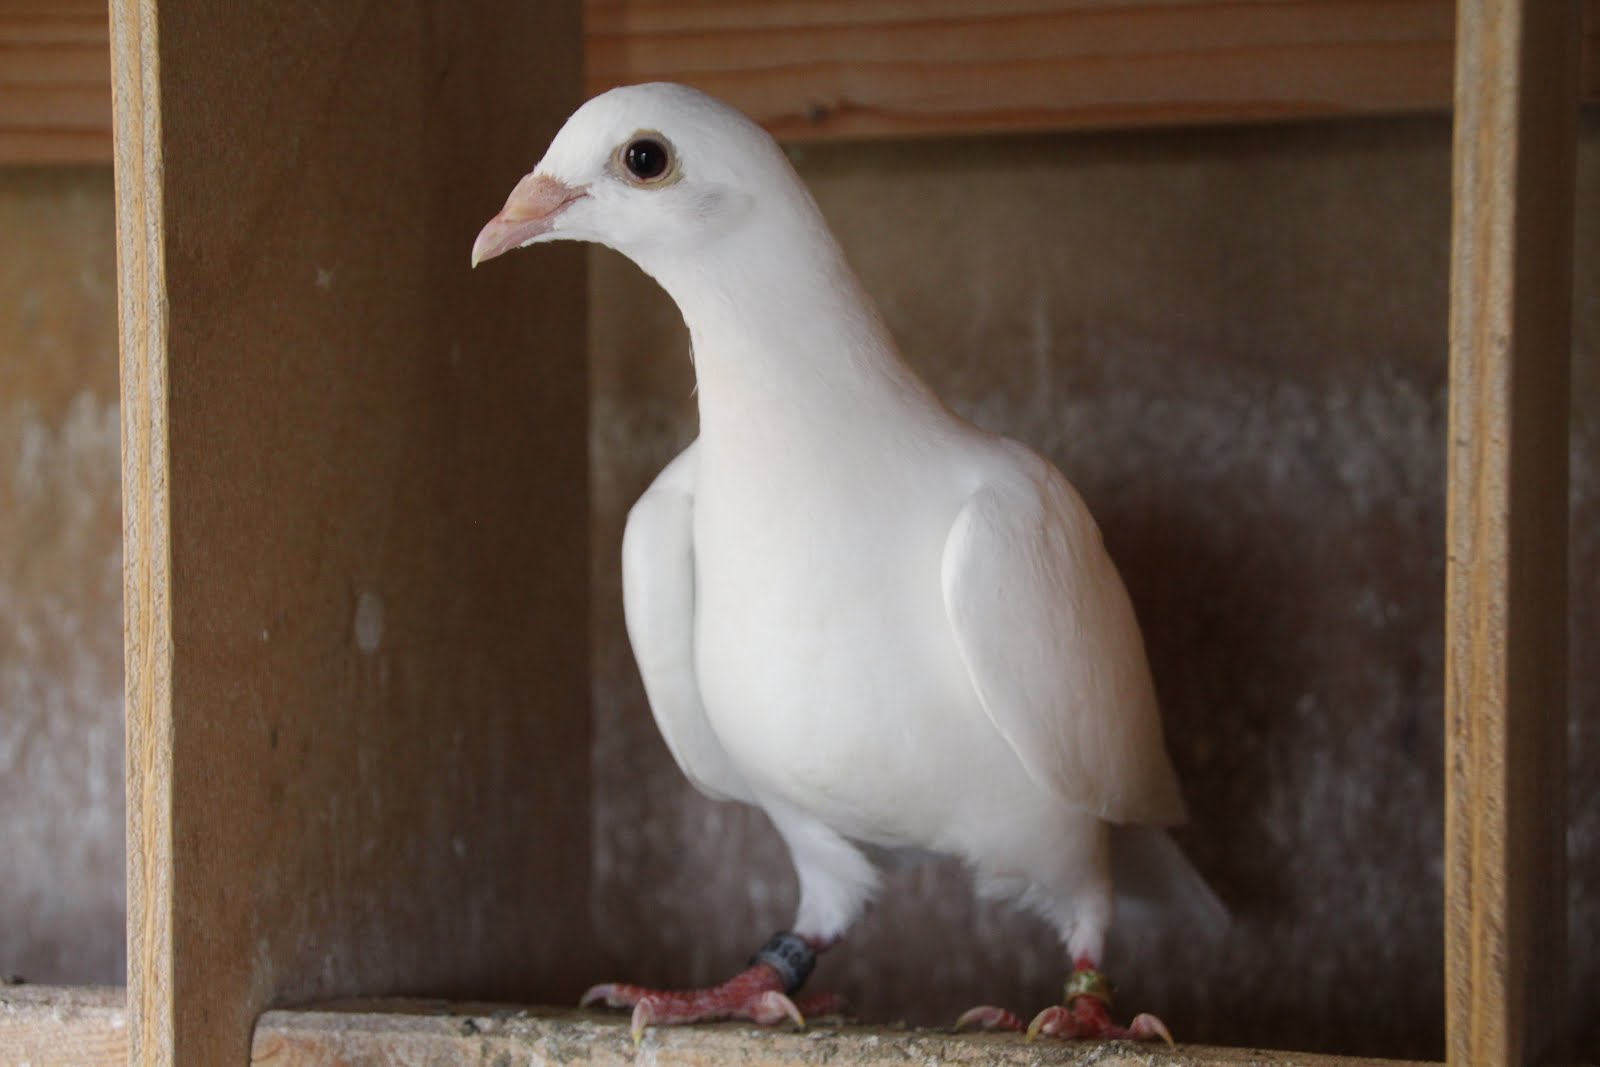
(1085, 1014)
(760, 993)
(988, 1017)
(1089, 1019)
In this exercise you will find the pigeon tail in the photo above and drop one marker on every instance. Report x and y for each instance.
(1156, 883)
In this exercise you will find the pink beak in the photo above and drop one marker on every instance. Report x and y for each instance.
(530, 212)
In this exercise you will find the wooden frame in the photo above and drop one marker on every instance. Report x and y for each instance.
(377, 751)
(1506, 645)
(228, 667)
(881, 68)
(876, 68)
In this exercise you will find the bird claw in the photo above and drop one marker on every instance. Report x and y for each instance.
(1060, 1020)
(755, 994)
(1084, 1013)
(987, 1017)
(1054, 1021)
(606, 991)
(642, 1016)
(772, 1007)
(766, 1009)
(1146, 1027)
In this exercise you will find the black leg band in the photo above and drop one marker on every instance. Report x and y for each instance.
(790, 956)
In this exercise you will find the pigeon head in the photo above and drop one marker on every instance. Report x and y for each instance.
(653, 171)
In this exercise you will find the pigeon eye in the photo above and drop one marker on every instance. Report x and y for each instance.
(647, 159)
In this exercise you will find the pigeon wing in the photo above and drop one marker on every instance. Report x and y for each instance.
(1051, 644)
(658, 598)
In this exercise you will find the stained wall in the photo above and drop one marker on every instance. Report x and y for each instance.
(61, 804)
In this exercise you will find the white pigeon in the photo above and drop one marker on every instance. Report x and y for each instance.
(851, 608)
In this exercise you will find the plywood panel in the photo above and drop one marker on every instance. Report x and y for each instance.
(356, 514)
(1506, 663)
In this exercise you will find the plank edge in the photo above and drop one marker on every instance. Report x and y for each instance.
(63, 1026)
(367, 1031)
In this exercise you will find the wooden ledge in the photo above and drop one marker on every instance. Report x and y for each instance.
(56, 1026)
(435, 1034)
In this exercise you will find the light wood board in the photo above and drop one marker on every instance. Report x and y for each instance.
(825, 69)
(55, 82)
(1506, 641)
(421, 1034)
(356, 514)
(45, 1026)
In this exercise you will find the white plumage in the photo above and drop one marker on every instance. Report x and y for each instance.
(849, 606)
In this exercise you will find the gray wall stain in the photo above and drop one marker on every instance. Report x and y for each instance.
(61, 800)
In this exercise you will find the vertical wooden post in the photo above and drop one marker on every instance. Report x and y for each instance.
(1505, 692)
(147, 625)
(355, 495)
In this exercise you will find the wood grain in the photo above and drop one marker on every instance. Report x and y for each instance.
(433, 1034)
(828, 69)
(146, 561)
(1506, 641)
(356, 515)
(44, 1026)
(55, 82)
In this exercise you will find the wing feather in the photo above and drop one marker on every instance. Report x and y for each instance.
(658, 599)
(1053, 649)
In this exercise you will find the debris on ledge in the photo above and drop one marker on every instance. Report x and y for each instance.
(418, 1033)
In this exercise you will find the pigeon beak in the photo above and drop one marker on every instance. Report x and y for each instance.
(530, 213)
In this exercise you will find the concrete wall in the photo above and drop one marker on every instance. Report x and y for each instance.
(1231, 340)
(61, 889)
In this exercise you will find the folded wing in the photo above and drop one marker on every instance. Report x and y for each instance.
(658, 601)
(1049, 639)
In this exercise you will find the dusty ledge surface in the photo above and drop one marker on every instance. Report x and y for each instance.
(62, 1026)
(419, 1033)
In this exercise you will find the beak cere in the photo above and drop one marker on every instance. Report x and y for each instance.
(530, 212)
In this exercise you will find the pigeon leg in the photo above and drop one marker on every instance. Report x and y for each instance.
(761, 993)
(1084, 1013)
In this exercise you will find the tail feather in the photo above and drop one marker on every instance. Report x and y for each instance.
(1156, 883)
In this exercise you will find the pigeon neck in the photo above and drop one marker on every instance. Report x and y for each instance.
(781, 327)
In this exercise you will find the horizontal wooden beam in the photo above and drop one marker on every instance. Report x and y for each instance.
(55, 82)
(434, 1033)
(832, 69)
(48, 1026)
